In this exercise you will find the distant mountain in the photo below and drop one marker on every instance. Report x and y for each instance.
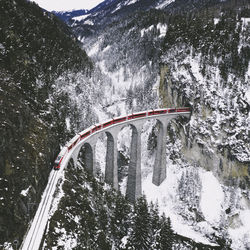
(67, 15)
(108, 9)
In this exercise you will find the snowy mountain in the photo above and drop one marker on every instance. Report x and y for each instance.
(144, 55)
(183, 53)
(67, 15)
(33, 107)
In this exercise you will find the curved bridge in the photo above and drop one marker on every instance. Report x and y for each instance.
(111, 128)
(88, 139)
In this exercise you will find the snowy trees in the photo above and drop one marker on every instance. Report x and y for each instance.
(166, 238)
(91, 216)
(148, 230)
(189, 192)
(35, 48)
(140, 235)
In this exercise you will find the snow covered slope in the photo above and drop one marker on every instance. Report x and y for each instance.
(189, 62)
(196, 54)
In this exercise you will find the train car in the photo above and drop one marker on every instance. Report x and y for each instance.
(157, 112)
(85, 134)
(119, 119)
(137, 115)
(183, 109)
(73, 141)
(171, 110)
(59, 158)
(96, 128)
(107, 123)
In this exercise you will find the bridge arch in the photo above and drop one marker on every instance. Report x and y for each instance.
(112, 128)
(86, 157)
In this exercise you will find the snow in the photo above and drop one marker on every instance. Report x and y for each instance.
(94, 49)
(67, 241)
(164, 4)
(143, 31)
(216, 20)
(102, 116)
(89, 22)
(7, 246)
(247, 94)
(80, 18)
(126, 3)
(245, 20)
(117, 8)
(167, 198)
(212, 197)
(67, 120)
(124, 139)
(162, 28)
(25, 191)
(123, 185)
(120, 84)
(57, 198)
(101, 150)
(106, 48)
(241, 234)
(131, 2)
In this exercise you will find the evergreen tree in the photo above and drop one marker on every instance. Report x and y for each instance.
(155, 224)
(166, 233)
(120, 219)
(140, 236)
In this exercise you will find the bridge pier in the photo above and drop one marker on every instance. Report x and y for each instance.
(111, 169)
(134, 189)
(88, 157)
(159, 172)
(75, 156)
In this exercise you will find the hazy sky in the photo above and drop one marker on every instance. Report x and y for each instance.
(67, 4)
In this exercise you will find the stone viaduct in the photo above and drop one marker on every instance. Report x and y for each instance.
(134, 189)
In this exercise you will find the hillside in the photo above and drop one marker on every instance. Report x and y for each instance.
(139, 55)
(35, 50)
(174, 54)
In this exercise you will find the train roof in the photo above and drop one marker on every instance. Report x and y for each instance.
(86, 130)
(158, 109)
(74, 139)
(63, 150)
(142, 112)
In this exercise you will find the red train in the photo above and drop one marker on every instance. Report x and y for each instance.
(95, 128)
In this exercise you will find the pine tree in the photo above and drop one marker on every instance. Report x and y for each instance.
(155, 224)
(166, 233)
(140, 236)
(120, 219)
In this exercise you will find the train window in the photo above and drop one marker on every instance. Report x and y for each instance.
(171, 111)
(140, 115)
(120, 120)
(85, 135)
(107, 124)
